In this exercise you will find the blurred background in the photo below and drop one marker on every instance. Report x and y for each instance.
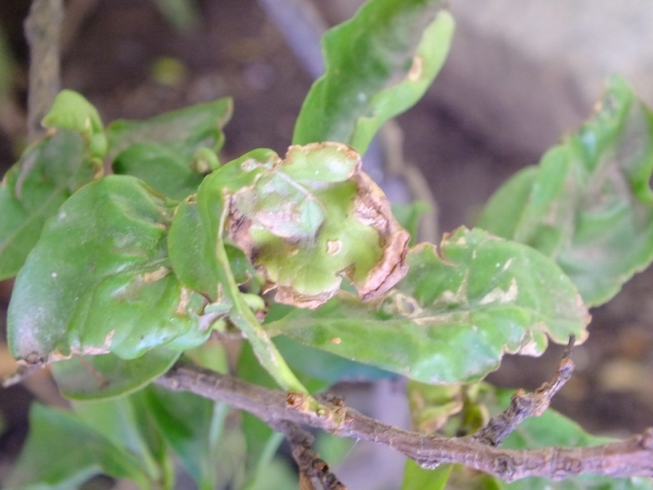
(520, 75)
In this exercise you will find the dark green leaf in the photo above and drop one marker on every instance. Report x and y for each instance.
(378, 64)
(62, 452)
(183, 132)
(161, 168)
(107, 375)
(588, 205)
(451, 319)
(191, 425)
(99, 280)
(32, 190)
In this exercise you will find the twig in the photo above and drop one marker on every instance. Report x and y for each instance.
(631, 457)
(43, 31)
(311, 467)
(524, 405)
(20, 375)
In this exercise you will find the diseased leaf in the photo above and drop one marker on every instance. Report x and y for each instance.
(47, 174)
(62, 452)
(588, 205)
(312, 217)
(182, 132)
(452, 317)
(99, 280)
(107, 375)
(378, 64)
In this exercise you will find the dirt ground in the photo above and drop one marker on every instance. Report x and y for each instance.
(131, 63)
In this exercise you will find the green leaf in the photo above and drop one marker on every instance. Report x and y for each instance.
(588, 205)
(107, 375)
(191, 425)
(452, 317)
(117, 421)
(417, 478)
(99, 280)
(554, 429)
(73, 112)
(183, 132)
(163, 169)
(46, 175)
(378, 64)
(309, 219)
(62, 452)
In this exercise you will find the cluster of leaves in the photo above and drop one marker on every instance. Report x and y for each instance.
(122, 274)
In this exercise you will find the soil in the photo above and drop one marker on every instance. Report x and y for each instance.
(117, 58)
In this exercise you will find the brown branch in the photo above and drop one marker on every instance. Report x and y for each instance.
(524, 405)
(43, 31)
(311, 467)
(631, 457)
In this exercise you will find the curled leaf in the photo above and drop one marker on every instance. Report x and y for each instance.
(453, 316)
(312, 217)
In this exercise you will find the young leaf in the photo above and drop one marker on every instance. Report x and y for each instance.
(99, 280)
(452, 317)
(107, 375)
(73, 112)
(63, 452)
(378, 64)
(46, 175)
(313, 216)
(588, 205)
(182, 132)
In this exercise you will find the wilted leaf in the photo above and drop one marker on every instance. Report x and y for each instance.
(46, 175)
(312, 217)
(378, 64)
(63, 452)
(182, 132)
(452, 317)
(107, 375)
(99, 280)
(588, 204)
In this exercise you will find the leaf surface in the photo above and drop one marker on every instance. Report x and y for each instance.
(107, 375)
(182, 132)
(62, 452)
(99, 280)
(46, 175)
(588, 205)
(378, 64)
(452, 317)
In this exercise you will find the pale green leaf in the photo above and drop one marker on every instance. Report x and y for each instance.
(588, 205)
